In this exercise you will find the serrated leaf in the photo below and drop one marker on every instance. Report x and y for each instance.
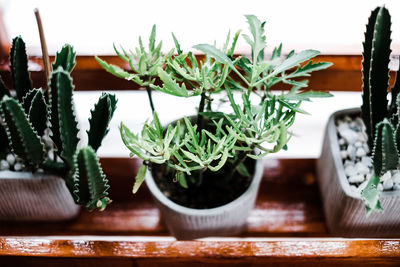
(257, 30)
(139, 179)
(310, 67)
(19, 68)
(90, 183)
(370, 195)
(23, 139)
(99, 121)
(177, 45)
(38, 112)
(295, 60)
(214, 53)
(152, 39)
(170, 86)
(65, 58)
(117, 71)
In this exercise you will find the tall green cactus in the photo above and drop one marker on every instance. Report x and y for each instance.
(375, 70)
(381, 120)
(26, 119)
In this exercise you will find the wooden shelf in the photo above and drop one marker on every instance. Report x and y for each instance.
(286, 226)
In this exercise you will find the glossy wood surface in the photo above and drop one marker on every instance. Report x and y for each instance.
(344, 75)
(286, 227)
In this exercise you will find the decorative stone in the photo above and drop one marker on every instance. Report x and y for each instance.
(344, 154)
(4, 165)
(10, 159)
(349, 135)
(396, 186)
(356, 179)
(361, 168)
(386, 176)
(342, 141)
(388, 184)
(380, 187)
(367, 161)
(358, 144)
(18, 166)
(349, 170)
(396, 177)
(361, 152)
(351, 151)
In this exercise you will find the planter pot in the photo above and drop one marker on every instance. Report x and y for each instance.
(344, 209)
(187, 223)
(35, 197)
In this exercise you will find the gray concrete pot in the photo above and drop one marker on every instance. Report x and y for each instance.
(35, 197)
(187, 223)
(344, 209)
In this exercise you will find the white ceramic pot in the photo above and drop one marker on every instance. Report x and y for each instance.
(187, 223)
(35, 197)
(344, 209)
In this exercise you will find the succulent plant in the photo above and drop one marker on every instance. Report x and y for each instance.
(381, 120)
(216, 141)
(26, 121)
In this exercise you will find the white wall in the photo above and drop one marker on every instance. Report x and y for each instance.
(335, 26)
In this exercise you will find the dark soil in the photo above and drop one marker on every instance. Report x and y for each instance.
(217, 188)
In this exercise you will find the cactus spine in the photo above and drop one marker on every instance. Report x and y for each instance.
(26, 119)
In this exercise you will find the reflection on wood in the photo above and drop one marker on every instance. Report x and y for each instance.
(344, 75)
(286, 226)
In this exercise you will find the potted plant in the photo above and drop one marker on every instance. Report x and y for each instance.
(360, 155)
(204, 170)
(43, 170)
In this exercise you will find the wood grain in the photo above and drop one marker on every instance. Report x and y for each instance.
(344, 75)
(286, 227)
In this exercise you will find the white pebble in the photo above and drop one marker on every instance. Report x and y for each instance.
(344, 154)
(366, 148)
(388, 184)
(396, 177)
(10, 159)
(356, 179)
(17, 166)
(361, 152)
(386, 176)
(380, 187)
(349, 170)
(4, 165)
(351, 150)
(362, 137)
(361, 168)
(341, 141)
(396, 186)
(367, 161)
(342, 126)
(358, 144)
(349, 135)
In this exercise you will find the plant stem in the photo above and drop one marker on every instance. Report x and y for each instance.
(148, 89)
(240, 160)
(45, 54)
(200, 117)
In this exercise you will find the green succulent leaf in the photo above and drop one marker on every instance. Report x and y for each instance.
(63, 121)
(295, 60)
(65, 58)
(117, 71)
(371, 194)
(215, 53)
(139, 179)
(90, 183)
(385, 155)
(177, 45)
(38, 112)
(19, 68)
(258, 43)
(170, 86)
(23, 138)
(101, 116)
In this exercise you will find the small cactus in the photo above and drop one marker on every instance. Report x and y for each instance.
(24, 121)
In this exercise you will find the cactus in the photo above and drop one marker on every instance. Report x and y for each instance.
(375, 70)
(26, 119)
(381, 120)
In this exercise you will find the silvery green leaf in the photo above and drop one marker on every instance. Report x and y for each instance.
(295, 60)
(214, 53)
(139, 179)
(371, 194)
(257, 30)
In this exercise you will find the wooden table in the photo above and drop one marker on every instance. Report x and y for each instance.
(286, 227)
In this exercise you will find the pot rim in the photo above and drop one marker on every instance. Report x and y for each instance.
(257, 176)
(7, 174)
(334, 143)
